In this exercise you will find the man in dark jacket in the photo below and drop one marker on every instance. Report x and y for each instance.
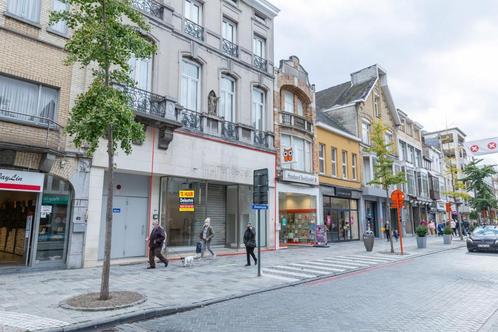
(250, 243)
(156, 240)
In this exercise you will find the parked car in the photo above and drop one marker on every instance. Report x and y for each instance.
(483, 239)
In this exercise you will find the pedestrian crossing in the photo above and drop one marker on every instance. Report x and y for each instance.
(294, 272)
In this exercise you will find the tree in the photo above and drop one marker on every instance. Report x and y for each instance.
(106, 34)
(384, 174)
(457, 193)
(475, 175)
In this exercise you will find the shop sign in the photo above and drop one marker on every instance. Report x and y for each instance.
(287, 155)
(292, 176)
(21, 181)
(341, 192)
(55, 199)
(186, 203)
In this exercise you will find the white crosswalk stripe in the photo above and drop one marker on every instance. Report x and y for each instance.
(295, 271)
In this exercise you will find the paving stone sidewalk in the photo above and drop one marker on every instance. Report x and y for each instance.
(30, 301)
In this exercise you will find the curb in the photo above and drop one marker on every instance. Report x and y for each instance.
(148, 314)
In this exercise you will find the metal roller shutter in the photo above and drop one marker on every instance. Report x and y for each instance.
(216, 209)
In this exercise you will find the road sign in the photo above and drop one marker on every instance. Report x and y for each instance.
(260, 186)
(398, 198)
(260, 206)
(448, 207)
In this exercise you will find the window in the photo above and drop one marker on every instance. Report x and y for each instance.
(411, 183)
(60, 26)
(365, 132)
(344, 164)
(28, 9)
(190, 86)
(377, 106)
(227, 98)
(23, 100)
(321, 158)
(258, 108)
(259, 46)
(333, 158)
(193, 11)
(411, 154)
(404, 152)
(388, 138)
(288, 102)
(354, 162)
(229, 31)
(418, 160)
(141, 73)
(301, 152)
(300, 109)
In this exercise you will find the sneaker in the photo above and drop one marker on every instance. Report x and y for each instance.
(255, 261)
(247, 265)
(150, 267)
(166, 264)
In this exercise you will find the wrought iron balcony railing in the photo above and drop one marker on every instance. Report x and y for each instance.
(260, 63)
(149, 7)
(295, 121)
(146, 102)
(219, 127)
(193, 29)
(230, 48)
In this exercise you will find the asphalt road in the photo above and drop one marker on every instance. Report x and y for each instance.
(448, 291)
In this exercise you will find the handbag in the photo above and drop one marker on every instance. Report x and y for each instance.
(198, 248)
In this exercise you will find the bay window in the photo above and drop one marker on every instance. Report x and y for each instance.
(27, 101)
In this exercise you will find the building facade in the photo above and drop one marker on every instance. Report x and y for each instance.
(297, 165)
(206, 101)
(356, 105)
(43, 179)
(340, 179)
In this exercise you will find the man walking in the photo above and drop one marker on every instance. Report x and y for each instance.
(250, 243)
(156, 240)
(206, 236)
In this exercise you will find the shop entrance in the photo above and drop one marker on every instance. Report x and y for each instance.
(17, 211)
(371, 215)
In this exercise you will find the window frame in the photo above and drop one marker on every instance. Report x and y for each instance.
(262, 43)
(333, 160)
(232, 94)
(307, 153)
(354, 163)
(368, 125)
(345, 163)
(36, 20)
(228, 22)
(321, 158)
(52, 27)
(261, 104)
(199, 86)
(193, 4)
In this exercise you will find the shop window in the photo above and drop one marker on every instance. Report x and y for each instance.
(297, 218)
(54, 219)
(341, 219)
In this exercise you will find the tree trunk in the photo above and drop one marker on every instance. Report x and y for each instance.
(388, 219)
(106, 268)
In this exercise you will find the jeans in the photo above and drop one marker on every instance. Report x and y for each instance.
(156, 252)
(206, 244)
(249, 253)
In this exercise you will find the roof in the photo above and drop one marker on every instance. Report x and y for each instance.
(343, 94)
(445, 131)
(330, 121)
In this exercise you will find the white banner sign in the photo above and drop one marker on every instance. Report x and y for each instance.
(482, 147)
(21, 181)
(292, 176)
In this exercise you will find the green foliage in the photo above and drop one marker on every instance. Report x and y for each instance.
(421, 231)
(475, 176)
(106, 34)
(447, 230)
(384, 175)
(474, 215)
(458, 191)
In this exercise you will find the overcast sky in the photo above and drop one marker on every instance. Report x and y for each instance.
(441, 56)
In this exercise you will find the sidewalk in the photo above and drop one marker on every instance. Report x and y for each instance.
(30, 301)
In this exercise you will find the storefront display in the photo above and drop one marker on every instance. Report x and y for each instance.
(341, 218)
(298, 218)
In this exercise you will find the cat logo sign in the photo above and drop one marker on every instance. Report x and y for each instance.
(287, 155)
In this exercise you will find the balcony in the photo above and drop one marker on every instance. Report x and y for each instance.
(297, 122)
(27, 132)
(230, 48)
(149, 7)
(154, 110)
(193, 29)
(260, 63)
(218, 127)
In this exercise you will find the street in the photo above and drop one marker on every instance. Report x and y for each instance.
(447, 291)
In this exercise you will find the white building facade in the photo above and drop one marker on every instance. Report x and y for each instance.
(206, 101)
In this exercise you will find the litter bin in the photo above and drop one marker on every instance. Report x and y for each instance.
(368, 240)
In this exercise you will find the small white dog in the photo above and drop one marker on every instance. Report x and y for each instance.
(188, 261)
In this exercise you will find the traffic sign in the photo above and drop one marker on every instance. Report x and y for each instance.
(260, 206)
(398, 198)
(448, 207)
(260, 186)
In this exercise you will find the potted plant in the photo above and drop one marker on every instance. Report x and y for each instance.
(421, 232)
(447, 235)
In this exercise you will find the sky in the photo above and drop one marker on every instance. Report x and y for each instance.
(441, 56)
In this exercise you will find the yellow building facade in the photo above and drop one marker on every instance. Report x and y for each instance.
(340, 175)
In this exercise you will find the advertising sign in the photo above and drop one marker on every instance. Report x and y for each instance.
(14, 180)
(186, 198)
(482, 147)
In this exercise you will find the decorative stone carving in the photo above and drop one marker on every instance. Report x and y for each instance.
(213, 103)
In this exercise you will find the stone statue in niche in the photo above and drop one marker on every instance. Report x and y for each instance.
(213, 103)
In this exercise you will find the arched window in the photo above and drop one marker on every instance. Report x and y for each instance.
(190, 85)
(227, 98)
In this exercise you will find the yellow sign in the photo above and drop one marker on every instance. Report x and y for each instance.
(186, 194)
(186, 208)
